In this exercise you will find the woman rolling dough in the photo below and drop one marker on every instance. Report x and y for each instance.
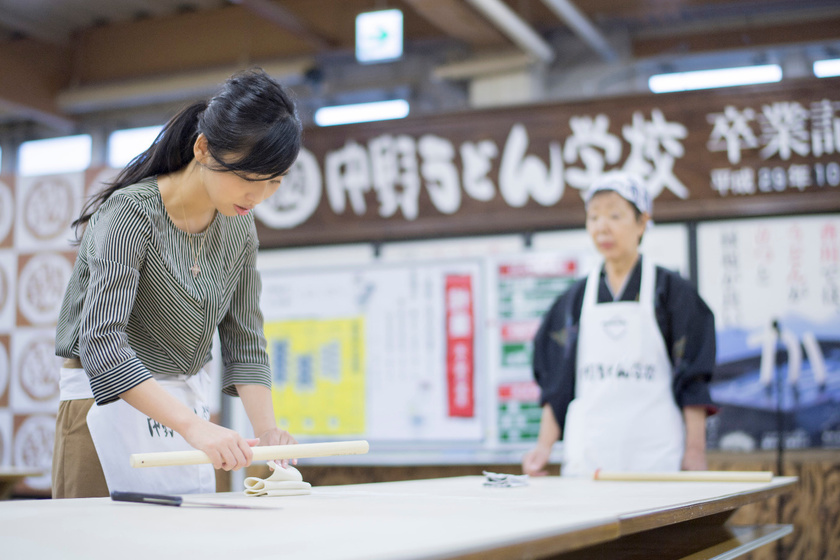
(167, 259)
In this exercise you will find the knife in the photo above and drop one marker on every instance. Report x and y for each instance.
(177, 501)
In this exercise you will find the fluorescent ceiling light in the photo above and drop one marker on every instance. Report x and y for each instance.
(707, 79)
(827, 68)
(362, 112)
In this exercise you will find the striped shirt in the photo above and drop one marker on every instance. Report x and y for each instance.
(132, 306)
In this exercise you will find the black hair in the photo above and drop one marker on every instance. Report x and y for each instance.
(252, 129)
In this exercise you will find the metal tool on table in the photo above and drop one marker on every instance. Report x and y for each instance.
(178, 501)
(261, 453)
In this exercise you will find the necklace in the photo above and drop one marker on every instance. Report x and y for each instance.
(195, 269)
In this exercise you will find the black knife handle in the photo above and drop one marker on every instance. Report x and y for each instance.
(143, 498)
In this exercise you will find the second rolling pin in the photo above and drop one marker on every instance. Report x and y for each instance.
(261, 453)
(687, 476)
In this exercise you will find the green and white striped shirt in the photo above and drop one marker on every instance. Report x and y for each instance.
(132, 306)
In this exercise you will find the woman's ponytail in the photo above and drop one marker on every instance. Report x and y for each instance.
(172, 150)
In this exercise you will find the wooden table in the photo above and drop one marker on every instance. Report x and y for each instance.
(438, 518)
(11, 476)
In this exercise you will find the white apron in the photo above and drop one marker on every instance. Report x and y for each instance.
(118, 430)
(623, 416)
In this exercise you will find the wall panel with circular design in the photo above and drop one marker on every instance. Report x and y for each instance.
(35, 374)
(42, 281)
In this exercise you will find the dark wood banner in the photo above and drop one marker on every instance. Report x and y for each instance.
(748, 151)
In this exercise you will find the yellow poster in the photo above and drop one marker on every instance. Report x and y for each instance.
(318, 370)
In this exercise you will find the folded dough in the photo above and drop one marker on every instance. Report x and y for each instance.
(282, 482)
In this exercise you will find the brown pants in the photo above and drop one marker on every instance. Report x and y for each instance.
(76, 471)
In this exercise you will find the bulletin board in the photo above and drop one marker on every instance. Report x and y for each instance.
(774, 286)
(426, 350)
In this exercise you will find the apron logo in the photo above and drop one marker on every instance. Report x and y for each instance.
(615, 327)
(606, 371)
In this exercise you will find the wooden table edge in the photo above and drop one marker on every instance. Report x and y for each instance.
(652, 519)
(547, 545)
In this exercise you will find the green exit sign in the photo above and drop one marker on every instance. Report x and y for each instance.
(379, 36)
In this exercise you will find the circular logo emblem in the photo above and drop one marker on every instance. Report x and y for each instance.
(48, 207)
(41, 287)
(33, 448)
(298, 195)
(39, 370)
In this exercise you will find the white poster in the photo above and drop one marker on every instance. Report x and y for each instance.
(384, 352)
(774, 286)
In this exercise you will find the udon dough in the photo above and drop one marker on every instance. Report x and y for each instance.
(282, 482)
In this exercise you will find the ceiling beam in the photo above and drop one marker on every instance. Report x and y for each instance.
(40, 115)
(459, 21)
(517, 30)
(32, 29)
(724, 37)
(32, 73)
(582, 27)
(485, 64)
(183, 86)
(231, 36)
(283, 18)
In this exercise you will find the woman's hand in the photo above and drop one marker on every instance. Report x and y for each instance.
(257, 402)
(694, 459)
(276, 436)
(535, 461)
(226, 448)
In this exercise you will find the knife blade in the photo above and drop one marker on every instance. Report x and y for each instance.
(177, 501)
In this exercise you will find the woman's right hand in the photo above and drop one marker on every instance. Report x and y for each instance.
(535, 461)
(226, 448)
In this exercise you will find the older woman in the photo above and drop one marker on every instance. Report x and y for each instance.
(624, 357)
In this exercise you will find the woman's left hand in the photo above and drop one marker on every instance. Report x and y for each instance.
(258, 406)
(694, 460)
(276, 436)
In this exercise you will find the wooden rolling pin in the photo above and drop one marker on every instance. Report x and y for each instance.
(687, 476)
(261, 453)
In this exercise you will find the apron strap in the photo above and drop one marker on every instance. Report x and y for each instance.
(647, 289)
(590, 293)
